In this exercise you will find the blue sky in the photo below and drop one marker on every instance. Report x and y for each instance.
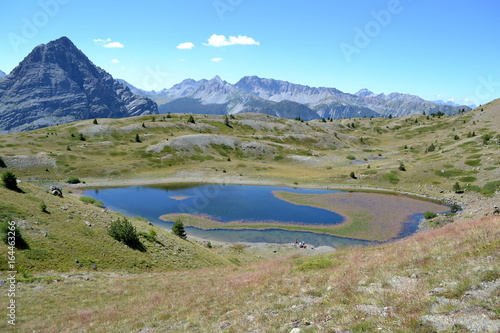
(434, 49)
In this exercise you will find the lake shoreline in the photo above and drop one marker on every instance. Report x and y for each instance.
(233, 180)
(346, 190)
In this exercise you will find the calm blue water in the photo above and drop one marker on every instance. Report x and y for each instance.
(229, 203)
(223, 203)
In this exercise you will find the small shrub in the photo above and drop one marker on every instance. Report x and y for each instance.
(9, 180)
(123, 231)
(95, 122)
(43, 207)
(81, 137)
(429, 215)
(178, 229)
(486, 138)
(350, 157)
(402, 166)
(191, 120)
(6, 228)
(352, 175)
(457, 188)
(73, 180)
(137, 138)
(430, 148)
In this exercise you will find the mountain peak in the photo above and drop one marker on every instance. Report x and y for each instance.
(2, 74)
(56, 83)
(365, 93)
(217, 79)
(63, 41)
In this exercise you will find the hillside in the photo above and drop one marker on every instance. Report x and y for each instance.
(276, 150)
(73, 231)
(445, 278)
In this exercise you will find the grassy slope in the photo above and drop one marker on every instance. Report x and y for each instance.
(311, 153)
(329, 291)
(61, 236)
(434, 273)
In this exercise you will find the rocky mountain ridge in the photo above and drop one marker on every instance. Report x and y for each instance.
(56, 83)
(2, 74)
(205, 96)
(472, 106)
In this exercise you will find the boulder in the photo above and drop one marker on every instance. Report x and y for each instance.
(55, 190)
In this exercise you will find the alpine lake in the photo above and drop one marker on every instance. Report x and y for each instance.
(272, 214)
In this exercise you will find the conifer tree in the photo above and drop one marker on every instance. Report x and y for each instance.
(178, 229)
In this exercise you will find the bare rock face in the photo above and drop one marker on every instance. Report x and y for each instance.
(56, 83)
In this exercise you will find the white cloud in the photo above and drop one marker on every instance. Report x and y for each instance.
(113, 45)
(185, 46)
(217, 59)
(115, 61)
(221, 40)
(108, 43)
(102, 41)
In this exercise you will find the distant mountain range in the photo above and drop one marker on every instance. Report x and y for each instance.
(441, 102)
(285, 99)
(56, 83)
(2, 75)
